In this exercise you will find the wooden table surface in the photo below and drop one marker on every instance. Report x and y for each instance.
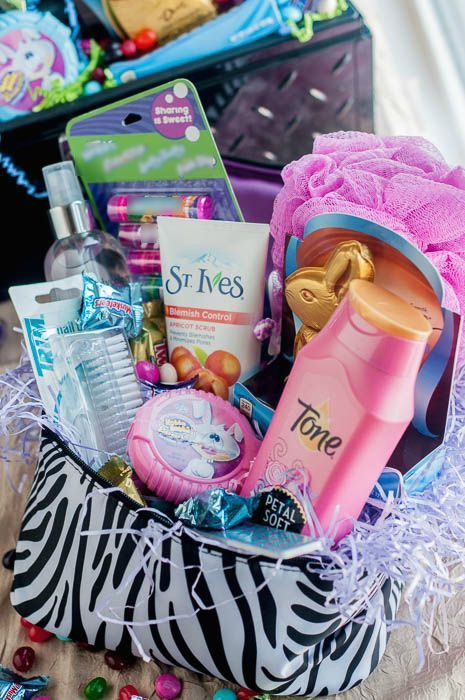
(70, 668)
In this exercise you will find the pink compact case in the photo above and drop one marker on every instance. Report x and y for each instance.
(186, 441)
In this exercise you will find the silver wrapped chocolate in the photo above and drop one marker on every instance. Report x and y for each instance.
(216, 509)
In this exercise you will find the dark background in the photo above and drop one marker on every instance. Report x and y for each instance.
(266, 104)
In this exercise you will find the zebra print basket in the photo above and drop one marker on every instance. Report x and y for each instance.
(205, 608)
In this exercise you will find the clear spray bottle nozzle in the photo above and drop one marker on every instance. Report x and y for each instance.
(62, 184)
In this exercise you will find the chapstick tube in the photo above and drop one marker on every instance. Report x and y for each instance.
(144, 262)
(138, 236)
(145, 208)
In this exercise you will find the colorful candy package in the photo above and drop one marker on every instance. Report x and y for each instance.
(15, 687)
(104, 306)
(241, 26)
(36, 54)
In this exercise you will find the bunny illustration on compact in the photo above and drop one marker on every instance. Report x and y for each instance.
(214, 443)
(313, 293)
(186, 441)
(32, 60)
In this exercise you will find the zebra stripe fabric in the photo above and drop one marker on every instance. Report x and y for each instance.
(207, 609)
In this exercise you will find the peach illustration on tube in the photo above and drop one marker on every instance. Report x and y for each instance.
(215, 373)
(224, 364)
(213, 285)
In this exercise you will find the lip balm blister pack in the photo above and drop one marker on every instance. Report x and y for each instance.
(150, 155)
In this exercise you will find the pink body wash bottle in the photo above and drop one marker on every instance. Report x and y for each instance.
(346, 404)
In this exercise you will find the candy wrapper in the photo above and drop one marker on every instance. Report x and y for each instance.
(167, 18)
(142, 346)
(117, 472)
(216, 509)
(104, 306)
(150, 287)
(15, 687)
(151, 342)
(161, 387)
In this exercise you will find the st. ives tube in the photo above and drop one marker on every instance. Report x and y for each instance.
(213, 286)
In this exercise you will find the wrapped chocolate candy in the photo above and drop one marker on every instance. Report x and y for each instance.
(15, 687)
(216, 509)
(154, 322)
(117, 472)
(150, 286)
(151, 342)
(142, 346)
(313, 293)
(104, 306)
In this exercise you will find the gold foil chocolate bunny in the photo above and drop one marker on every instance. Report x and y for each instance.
(313, 293)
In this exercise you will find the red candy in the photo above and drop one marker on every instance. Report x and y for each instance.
(23, 659)
(37, 634)
(129, 48)
(128, 692)
(145, 40)
(245, 694)
(117, 663)
(98, 74)
(26, 624)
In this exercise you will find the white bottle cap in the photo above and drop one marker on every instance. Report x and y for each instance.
(69, 213)
(62, 184)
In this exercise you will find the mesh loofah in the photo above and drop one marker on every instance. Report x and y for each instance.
(401, 182)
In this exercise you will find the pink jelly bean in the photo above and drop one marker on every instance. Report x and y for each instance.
(147, 371)
(168, 686)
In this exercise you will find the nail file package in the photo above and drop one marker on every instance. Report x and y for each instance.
(99, 392)
(152, 154)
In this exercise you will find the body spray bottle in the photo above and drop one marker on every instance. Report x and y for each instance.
(79, 246)
(346, 404)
